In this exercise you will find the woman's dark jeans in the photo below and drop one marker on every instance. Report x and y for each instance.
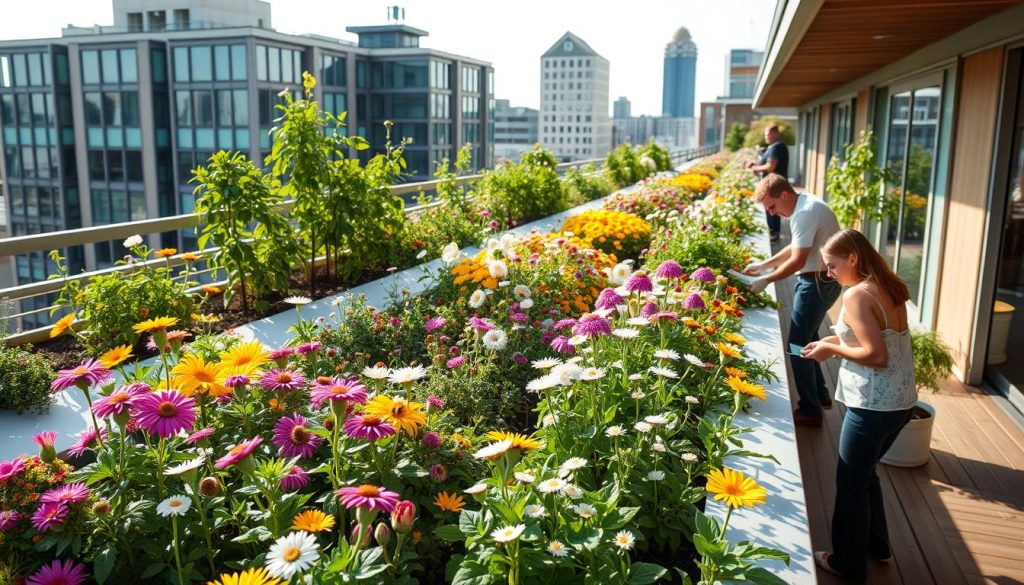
(858, 523)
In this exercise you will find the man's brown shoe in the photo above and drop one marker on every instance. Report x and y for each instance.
(826, 403)
(804, 420)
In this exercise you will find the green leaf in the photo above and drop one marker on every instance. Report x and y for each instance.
(762, 576)
(103, 563)
(450, 532)
(616, 518)
(152, 570)
(472, 573)
(645, 573)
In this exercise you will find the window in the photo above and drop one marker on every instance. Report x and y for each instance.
(129, 66)
(240, 109)
(130, 108)
(181, 67)
(158, 64)
(109, 62)
(133, 165)
(183, 101)
(238, 63)
(112, 108)
(91, 67)
(202, 65)
(202, 105)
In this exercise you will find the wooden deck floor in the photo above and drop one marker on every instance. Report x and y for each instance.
(958, 519)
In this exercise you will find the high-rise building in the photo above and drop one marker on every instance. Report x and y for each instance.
(741, 67)
(680, 82)
(515, 130)
(105, 124)
(574, 100)
(621, 108)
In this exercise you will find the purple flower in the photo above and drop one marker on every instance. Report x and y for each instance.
(118, 402)
(368, 426)
(669, 269)
(432, 440)
(164, 413)
(639, 282)
(85, 439)
(8, 519)
(694, 302)
(59, 573)
(282, 380)
(564, 323)
(395, 322)
(85, 374)
(66, 494)
(649, 309)
(335, 389)
(519, 317)
(11, 468)
(480, 324)
(435, 402)
(561, 344)
(455, 362)
(664, 315)
(235, 381)
(295, 480)
(438, 472)
(48, 515)
(520, 359)
(308, 348)
(591, 325)
(199, 435)
(293, 439)
(434, 323)
(608, 299)
(703, 274)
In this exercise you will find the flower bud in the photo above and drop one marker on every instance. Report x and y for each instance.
(101, 508)
(402, 516)
(209, 487)
(367, 535)
(382, 534)
(46, 450)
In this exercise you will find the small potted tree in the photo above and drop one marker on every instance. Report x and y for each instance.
(933, 362)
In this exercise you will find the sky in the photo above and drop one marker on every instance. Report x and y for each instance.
(512, 36)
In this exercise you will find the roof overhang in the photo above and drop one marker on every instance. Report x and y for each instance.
(816, 46)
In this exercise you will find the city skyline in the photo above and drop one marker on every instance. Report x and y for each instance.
(632, 41)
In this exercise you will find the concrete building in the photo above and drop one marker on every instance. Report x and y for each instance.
(680, 81)
(621, 108)
(574, 100)
(106, 123)
(515, 130)
(741, 67)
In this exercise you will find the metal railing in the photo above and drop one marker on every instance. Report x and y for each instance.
(45, 242)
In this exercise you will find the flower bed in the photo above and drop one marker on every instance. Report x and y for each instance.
(607, 409)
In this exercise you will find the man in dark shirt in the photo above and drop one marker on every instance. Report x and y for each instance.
(774, 160)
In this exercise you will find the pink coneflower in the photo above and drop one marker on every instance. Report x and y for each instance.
(434, 323)
(561, 344)
(669, 269)
(608, 299)
(45, 439)
(480, 324)
(664, 316)
(293, 439)
(48, 515)
(368, 426)
(520, 359)
(282, 355)
(694, 302)
(338, 389)
(59, 573)
(649, 309)
(238, 453)
(118, 403)
(432, 440)
(308, 348)
(703, 275)
(567, 323)
(234, 381)
(164, 413)
(199, 435)
(455, 362)
(85, 440)
(8, 520)
(11, 468)
(368, 496)
(438, 472)
(639, 282)
(591, 325)
(519, 317)
(282, 380)
(85, 374)
(66, 494)
(295, 480)
(435, 402)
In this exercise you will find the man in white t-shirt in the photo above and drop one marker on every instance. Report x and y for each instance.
(811, 224)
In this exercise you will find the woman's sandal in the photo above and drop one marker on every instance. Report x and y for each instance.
(821, 559)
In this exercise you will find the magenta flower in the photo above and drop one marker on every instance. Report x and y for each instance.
(435, 402)
(520, 359)
(703, 275)
(119, 402)
(48, 515)
(566, 323)
(368, 426)
(11, 468)
(234, 381)
(296, 479)
(480, 324)
(85, 374)
(591, 325)
(281, 355)
(85, 440)
(639, 282)
(308, 348)
(338, 389)
(66, 494)
(164, 413)
(438, 472)
(455, 362)
(45, 439)
(282, 380)
(238, 453)
(434, 323)
(8, 520)
(368, 496)
(293, 439)
(432, 440)
(59, 573)
(199, 435)
(519, 317)
(649, 309)
(561, 344)
(608, 299)
(669, 269)
(694, 302)
(664, 316)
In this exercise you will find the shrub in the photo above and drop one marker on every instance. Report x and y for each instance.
(24, 376)
(755, 136)
(657, 153)
(586, 185)
(734, 139)
(933, 361)
(856, 186)
(625, 166)
(518, 192)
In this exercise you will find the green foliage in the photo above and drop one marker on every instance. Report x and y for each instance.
(755, 136)
(625, 166)
(232, 194)
(933, 360)
(856, 187)
(585, 185)
(724, 562)
(24, 376)
(657, 153)
(736, 136)
(523, 191)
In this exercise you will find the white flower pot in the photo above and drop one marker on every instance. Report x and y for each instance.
(912, 446)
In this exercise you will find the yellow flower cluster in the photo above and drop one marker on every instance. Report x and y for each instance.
(474, 270)
(575, 292)
(695, 183)
(614, 232)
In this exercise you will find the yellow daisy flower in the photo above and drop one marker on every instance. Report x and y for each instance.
(165, 252)
(154, 325)
(313, 521)
(191, 257)
(743, 387)
(403, 415)
(244, 358)
(115, 356)
(519, 441)
(248, 577)
(60, 327)
(735, 339)
(450, 502)
(735, 372)
(735, 489)
(729, 351)
(194, 375)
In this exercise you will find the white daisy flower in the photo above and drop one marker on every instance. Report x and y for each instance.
(693, 400)
(493, 244)
(656, 475)
(659, 447)
(592, 373)
(566, 373)
(689, 457)
(637, 394)
(525, 476)
(572, 464)
(663, 372)
(535, 511)
(495, 339)
(133, 241)
(493, 450)
(292, 554)
(190, 465)
(557, 549)
(626, 333)
(656, 419)
(508, 533)
(624, 539)
(545, 363)
(620, 272)
(497, 269)
(666, 354)
(450, 253)
(476, 489)
(643, 427)
(406, 375)
(572, 491)
(585, 511)
(521, 291)
(574, 360)
(476, 300)
(577, 340)
(542, 383)
(589, 349)
(174, 506)
(615, 431)
(298, 300)
(694, 360)
(638, 321)
(635, 377)
(526, 304)
(376, 372)
(549, 486)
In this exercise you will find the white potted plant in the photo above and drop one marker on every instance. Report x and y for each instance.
(933, 362)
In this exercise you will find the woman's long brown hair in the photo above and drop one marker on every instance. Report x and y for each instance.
(870, 264)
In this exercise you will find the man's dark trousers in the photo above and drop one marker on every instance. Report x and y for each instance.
(813, 295)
